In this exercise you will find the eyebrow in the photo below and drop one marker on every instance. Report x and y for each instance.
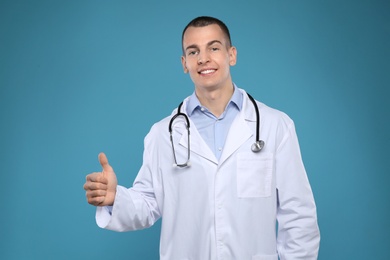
(195, 46)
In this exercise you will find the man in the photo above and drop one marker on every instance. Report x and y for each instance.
(225, 202)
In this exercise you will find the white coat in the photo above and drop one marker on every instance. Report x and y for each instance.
(226, 209)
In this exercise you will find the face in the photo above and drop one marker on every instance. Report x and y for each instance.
(207, 57)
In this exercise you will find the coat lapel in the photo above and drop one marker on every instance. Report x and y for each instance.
(239, 131)
(197, 145)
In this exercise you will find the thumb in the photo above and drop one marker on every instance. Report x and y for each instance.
(104, 163)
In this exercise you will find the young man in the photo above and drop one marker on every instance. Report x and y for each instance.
(222, 198)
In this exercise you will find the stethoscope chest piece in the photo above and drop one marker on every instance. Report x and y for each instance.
(257, 146)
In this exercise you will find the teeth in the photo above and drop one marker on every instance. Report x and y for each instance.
(206, 71)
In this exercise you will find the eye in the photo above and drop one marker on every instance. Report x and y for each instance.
(190, 53)
(214, 49)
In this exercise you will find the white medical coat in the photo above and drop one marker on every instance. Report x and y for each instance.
(224, 209)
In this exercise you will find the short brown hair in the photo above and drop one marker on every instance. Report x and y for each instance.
(202, 21)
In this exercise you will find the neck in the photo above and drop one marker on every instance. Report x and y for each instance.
(215, 100)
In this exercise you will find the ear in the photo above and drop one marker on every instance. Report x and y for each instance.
(232, 56)
(183, 62)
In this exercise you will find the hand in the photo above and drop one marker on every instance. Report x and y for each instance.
(101, 186)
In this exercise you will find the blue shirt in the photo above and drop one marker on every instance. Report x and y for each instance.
(214, 130)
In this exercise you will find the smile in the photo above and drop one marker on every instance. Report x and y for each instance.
(205, 72)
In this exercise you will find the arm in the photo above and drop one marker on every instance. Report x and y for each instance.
(134, 208)
(298, 232)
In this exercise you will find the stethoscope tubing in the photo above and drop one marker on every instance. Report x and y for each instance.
(256, 147)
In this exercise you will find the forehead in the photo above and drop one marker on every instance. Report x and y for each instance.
(203, 35)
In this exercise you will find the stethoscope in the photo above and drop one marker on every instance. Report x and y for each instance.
(256, 147)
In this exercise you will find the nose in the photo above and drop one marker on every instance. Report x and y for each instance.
(203, 58)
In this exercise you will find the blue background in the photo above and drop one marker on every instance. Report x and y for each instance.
(81, 77)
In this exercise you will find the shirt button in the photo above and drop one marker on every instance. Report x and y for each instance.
(202, 108)
(220, 149)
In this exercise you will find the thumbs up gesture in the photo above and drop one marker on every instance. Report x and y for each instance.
(100, 187)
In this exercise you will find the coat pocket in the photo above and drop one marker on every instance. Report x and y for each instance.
(254, 174)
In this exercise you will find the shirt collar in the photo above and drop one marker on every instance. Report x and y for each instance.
(193, 102)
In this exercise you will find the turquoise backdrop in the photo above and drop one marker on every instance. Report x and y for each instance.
(81, 77)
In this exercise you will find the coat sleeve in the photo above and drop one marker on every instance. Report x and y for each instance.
(137, 207)
(298, 232)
